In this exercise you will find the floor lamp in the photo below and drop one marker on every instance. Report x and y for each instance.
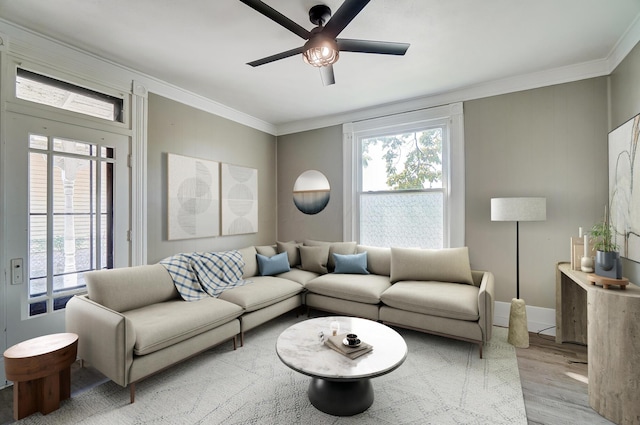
(518, 209)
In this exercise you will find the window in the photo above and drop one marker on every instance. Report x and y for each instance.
(405, 185)
(70, 218)
(58, 94)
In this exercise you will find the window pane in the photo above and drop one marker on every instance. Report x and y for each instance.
(37, 246)
(60, 303)
(409, 219)
(37, 308)
(51, 92)
(38, 142)
(67, 282)
(71, 146)
(402, 161)
(37, 183)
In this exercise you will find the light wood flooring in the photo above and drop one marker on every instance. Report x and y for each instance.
(550, 375)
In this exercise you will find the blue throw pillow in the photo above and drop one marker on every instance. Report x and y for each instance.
(270, 266)
(352, 264)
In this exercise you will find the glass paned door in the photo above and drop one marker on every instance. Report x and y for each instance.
(67, 191)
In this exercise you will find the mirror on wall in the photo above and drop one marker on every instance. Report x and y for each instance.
(311, 192)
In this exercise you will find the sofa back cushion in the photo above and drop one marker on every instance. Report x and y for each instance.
(314, 258)
(378, 259)
(440, 265)
(250, 262)
(291, 248)
(128, 288)
(344, 248)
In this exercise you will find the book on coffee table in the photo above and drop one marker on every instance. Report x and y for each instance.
(335, 342)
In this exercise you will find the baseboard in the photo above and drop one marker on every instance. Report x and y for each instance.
(539, 319)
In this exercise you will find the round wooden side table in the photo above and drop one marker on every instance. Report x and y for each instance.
(40, 369)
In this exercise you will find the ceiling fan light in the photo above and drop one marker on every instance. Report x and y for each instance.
(321, 52)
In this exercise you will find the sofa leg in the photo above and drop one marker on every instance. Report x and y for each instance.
(132, 392)
(81, 363)
(480, 347)
(235, 342)
(241, 339)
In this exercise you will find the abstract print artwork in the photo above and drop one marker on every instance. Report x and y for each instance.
(193, 200)
(624, 187)
(239, 197)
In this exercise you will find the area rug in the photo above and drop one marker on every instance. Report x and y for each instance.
(442, 381)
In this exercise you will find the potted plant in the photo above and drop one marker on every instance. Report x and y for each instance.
(607, 255)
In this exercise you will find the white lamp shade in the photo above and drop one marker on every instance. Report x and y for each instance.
(518, 209)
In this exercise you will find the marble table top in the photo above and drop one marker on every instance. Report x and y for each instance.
(302, 348)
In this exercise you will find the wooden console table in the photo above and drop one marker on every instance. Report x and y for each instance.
(609, 320)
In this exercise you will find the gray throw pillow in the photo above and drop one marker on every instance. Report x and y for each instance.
(291, 248)
(314, 258)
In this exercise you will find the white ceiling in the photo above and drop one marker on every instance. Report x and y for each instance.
(203, 46)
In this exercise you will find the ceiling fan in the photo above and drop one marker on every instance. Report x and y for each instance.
(322, 48)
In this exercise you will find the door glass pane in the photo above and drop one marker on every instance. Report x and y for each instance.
(38, 235)
(72, 146)
(38, 142)
(79, 239)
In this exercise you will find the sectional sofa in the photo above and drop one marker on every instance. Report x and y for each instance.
(136, 321)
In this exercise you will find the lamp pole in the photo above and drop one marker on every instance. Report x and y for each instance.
(517, 259)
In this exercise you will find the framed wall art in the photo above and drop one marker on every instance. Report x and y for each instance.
(624, 187)
(239, 199)
(193, 197)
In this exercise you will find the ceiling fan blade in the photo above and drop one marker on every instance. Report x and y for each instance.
(277, 17)
(344, 15)
(278, 56)
(369, 46)
(326, 73)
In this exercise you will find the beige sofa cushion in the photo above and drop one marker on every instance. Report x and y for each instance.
(353, 287)
(128, 288)
(441, 299)
(163, 324)
(266, 250)
(250, 261)
(299, 275)
(291, 248)
(262, 292)
(443, 265)
(378, 259)
(314, 258)
(344, 248)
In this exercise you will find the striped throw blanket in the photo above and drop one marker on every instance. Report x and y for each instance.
(200, 274)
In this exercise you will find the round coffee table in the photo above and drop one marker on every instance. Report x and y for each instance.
(340, 386)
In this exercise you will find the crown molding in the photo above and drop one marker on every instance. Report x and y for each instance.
(625, 44)
(534, 80)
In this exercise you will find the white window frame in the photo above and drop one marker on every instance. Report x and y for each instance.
(452, 157)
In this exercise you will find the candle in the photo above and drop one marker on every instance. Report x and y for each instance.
(586, 245)
(580, 232)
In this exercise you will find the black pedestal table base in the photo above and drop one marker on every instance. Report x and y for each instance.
(341, 398)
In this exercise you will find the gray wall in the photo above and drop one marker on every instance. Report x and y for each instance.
(311, 150)
(625, 104)
(180, 129)
(549, 142)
